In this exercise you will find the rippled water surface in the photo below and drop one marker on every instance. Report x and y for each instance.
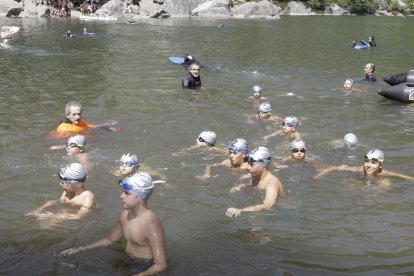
(333, 226)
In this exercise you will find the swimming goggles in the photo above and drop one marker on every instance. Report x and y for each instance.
(73, 145)
(71, 180)
(372, 160)
(125, 186)
(288, 124)
(234, 149)
(201, 139)
(299, 150)
(262, 112)
(127, 163)
(250, 160)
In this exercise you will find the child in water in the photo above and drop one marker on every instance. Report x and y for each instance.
(206, 140)
(288, 130)
(72, 178)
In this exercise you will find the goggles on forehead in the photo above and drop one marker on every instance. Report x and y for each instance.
(201, 139)
(234, 149)
(250, 160)
(127, 163)
(125, 186)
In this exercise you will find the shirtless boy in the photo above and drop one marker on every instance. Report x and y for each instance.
(138, 225)
(262, 180)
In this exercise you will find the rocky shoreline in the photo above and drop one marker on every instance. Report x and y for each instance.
(184, 8)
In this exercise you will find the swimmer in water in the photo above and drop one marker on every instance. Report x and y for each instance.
(369, 70)
(257, 93)
(237, 158)
(371, 168)
(371, 41)
(354, 43)
(72, 122)
(5, 44)
(138, 225)
(72, 178)
(297, 155)
(262, 179)
(264, 113)
(69, 34)
(288, 130)
(75, 147)
(206, 140)
(349, 141)
(348, 85)
(192, 80)
(85, 30)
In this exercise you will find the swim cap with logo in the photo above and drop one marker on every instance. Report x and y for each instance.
(73, 173)
(260, 157)
(297, 144)
(130, 157)
(139, 184)
(375, 154)
(239, 145)
(350, 140)
(79, 140)
(291, 121)
(265, 107)
(257, 89)
(207, 136)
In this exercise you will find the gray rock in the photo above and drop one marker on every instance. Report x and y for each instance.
(14, 12)
(262, 9)
(150, 9)
(7, 5)
(31, 10)
(112, 8)
(219, 7)
(181, 8)
(334, 9)
(214, 12)
(297, 8)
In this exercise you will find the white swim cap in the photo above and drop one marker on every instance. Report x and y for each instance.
(375, 154)
(260, 157)
(130, 157)
(79, 140)
(297, 144)
(73, 173)
(349, 81)
(139, 184)
(5, 40)
(290, 121)
(350, 140)
(265, 107)
(239, 145)
(257, 89)
(207, 136)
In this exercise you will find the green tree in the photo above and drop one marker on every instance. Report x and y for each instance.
(362, 6)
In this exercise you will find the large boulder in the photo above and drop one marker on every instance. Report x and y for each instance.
(30, 9)
(262, 9)
(213, 8)
(297, 8)
(334, 9)
(112, 8)
(148, 8)
(180, 8)
(7, 5)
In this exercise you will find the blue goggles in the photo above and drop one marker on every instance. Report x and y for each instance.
(127, 163)
(233, 148)
(125, 186)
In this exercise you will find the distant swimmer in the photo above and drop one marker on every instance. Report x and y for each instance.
(354, 43)
(192, 80)
(220, 26)
(138, 226)
(73, 122)
(72, 178)
(348, 85)
(369, 70)
(238, 150)
(371, 168)
(206, 140)
(8, 32)
(350, 141)
(5, 44)
(69, 34)
(297, 155)
(264, 113)
(371, 41)
(257, 92)
(288, 130)
(262, 179)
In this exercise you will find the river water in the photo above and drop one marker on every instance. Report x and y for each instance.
(337, 225)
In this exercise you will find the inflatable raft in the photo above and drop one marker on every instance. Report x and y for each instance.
(402, 88)
(361, 45)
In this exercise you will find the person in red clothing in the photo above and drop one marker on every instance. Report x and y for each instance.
(73, 122)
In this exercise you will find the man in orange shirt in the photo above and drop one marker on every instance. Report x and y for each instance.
(73, 120)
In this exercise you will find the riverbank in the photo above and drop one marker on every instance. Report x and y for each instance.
(182, 8)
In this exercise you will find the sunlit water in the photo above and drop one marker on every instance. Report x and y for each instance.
(336, 225)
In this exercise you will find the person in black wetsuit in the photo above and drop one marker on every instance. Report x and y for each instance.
(371, 41)
(369, 73)
(192, 79)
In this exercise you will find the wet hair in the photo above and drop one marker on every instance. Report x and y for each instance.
(70, 104)
(372, 66)
(193, 64)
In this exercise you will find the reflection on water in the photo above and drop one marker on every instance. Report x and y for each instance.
(340, 224)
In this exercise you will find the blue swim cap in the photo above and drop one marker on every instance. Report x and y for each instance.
(239, 145)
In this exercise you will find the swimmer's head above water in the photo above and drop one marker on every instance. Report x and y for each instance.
(289, 123)
(75, 144)
(260, 157)
(73, 174)
(128, 164)
(373, 162)
(257, 91)
(139, 184)
(239, 145)
(264, 110)
(348, 84)
(298, 149)
(207, 138)
(350, 140)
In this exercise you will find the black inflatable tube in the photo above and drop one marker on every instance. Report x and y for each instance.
(407, 77)
(403, 92)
